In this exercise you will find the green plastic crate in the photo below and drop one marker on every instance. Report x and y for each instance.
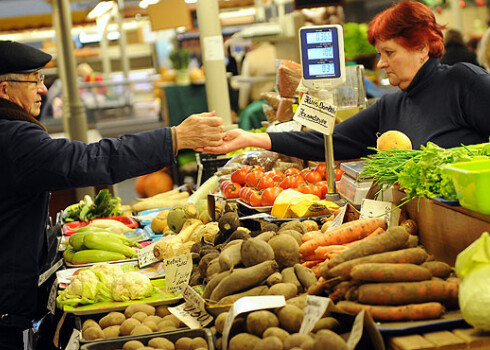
(472, 183)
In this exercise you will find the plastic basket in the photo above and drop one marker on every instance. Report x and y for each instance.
(207, 165)
(472, 182)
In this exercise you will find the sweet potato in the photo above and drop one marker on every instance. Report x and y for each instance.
(286, 250)
(242, 279)
(288, 290)
(289, 276)
(438, 268)
(230, 256)
(411, 312)
(390, 272)
(254, 251)
(410, 256)
(392, 239)
(403, 293)
(305, 276)
(266, 235)
(275, 278)
(230, 299)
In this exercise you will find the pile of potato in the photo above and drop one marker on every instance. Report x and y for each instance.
(137, 319)
(184, 343)
(277, 329)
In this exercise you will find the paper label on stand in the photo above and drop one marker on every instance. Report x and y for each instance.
(338, 220)
(213, 48)
(314, 310)
(53, 293)
(372, 209)
(146, 256)
(193, 312)
(247, 304)
(177, 272)
(74, 342)
(316, 114)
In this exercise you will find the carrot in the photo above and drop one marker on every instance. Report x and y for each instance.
(410, 256)
(375, 233)
(310, 235)
(340, 290)
(424, 311)
(343, 234)
(393, 239)
(401, 293)
(318, 287)
(323, 250)
(390, 272)
(438, 268)
(316, 270)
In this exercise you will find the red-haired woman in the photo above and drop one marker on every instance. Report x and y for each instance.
(447, 105)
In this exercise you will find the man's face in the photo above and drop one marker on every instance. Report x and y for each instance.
(26, 94)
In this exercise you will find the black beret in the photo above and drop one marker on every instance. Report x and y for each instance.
(19, 58)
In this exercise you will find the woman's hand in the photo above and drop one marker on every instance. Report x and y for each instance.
(200, 130)
(237, 139)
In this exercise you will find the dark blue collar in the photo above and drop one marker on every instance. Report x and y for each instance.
(423, 75)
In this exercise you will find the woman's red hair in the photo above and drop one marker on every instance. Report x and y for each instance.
(411, 24)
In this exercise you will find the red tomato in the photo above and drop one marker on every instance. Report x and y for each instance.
(256, 199)
(292, 181)
(238, 176)
(304, 172)
(232, 190)
(253, 178)
(324, 187)
(256, 167)
(269, 195)
(310, 189)
(265, 182)
(223, 185)
(276, 175)
(322, 169)
(338, 174)
(245, 193)
(313, 177)
(291, 171)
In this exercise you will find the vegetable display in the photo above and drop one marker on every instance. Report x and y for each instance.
(104, 205)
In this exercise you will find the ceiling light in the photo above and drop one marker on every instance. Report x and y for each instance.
(101, 8)
(145, 3)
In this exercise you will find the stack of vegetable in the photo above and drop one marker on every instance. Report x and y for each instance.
(104, 205)
(383, 273)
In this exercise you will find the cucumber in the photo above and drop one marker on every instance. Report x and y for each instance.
(103, 242)
(76, 240)
(95, 255)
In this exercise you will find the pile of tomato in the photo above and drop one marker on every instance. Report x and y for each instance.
(259, 188)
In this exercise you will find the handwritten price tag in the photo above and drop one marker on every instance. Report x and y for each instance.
(146, 256)
(193, 312)
(74, 342)
(338, 220)
(52, 297)
(371, 209)
(316, 114)
(314, 310)
(177, 272)
(247, 304)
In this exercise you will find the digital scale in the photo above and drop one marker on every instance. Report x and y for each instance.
(323, 69)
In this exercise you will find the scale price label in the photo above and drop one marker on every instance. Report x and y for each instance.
(177, 272)
(372, 209)
(193, 312)
(316, 114)
(146, 256)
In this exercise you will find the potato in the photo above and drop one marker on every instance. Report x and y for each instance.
(289, 290)
(165, 325)
(162, 311)
(254, 251)
(326, 323)
(295, 234)
(293, 225)
(258, 321)
(111, 331)
(299, 301)
(89, 323)
(310, 225)
(92, 333)
(156, 319)
(140, 316)
(286, 250)
(112, 319)
(219, 323)
(275, 332)
(133, 345)
(150, 324)
(243, 341)
(198, 343)
(326, 339)
(133, 308)
(183, 343)
(161, 343)
(269, 343)
(296, 340)
(306, 277)
(141, 329)
(290, 318)
(289, 276)
(275, 278)
(128, 325)
(172, 318)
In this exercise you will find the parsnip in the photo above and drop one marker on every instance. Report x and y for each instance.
(156, 204)
(111, 225)
(173, 194)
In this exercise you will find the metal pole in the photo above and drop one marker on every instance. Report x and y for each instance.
(122, 39)
(457, 15)
(214, 59)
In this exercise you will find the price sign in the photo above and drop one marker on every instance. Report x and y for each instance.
(338, 220)
(371, 209)
(314, 310)
(177, 272)
(74, 342)
(193, 312)
(52, 297)
(247, 304)
(146, 256)
(316, 114)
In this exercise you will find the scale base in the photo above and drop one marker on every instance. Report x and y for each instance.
(335, 197)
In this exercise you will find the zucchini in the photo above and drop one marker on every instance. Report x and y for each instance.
(103, 242)
(95, 255)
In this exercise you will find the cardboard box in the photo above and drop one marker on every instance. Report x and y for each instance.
(444, 230)
(168, 14)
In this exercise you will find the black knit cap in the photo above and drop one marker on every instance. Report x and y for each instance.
(19, 58)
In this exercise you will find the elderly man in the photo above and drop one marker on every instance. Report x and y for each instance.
(33, 164)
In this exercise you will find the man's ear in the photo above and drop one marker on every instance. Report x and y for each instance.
(3, 90)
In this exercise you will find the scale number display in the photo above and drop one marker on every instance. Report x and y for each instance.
(319, 38)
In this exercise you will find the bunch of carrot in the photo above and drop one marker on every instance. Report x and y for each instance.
(380, 271)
